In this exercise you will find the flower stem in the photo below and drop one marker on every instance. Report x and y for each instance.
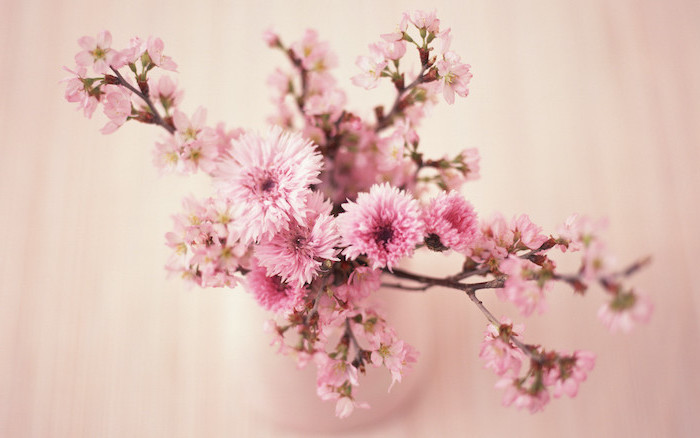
(157, 119)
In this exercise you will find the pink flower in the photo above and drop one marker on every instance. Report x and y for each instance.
(206, 250)
(96, 52)
(390, 50)
(361, 283)
(395, 355)
(625, 310)
(450, 222)
(271, 38)
(521, 397)
(527, 232)
(500, 238)
(384, 224)
(569, 373)
(499, 353)
(166, 154)
(117, 107)
(331, 374)
(468, 163)
(154, 47)
(391, 151)
(579, 232)
(444, 41)
(346, 405)
(165, 91)
(464, 167)
(187, 129)
(268, 177)
(80, 90)
(397, 34)
(519, 287)
(284, 116)
(132, 54)
(314, 55)
(596, 262)
(223, 138)
(372, 69)
(280, 82)
(426, 20)
(271, 292)
(296, 254)
(497, 235)
(454, 76)
(196, 143)
(330, 102)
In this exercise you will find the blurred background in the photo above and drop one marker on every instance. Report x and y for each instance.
(590, 107)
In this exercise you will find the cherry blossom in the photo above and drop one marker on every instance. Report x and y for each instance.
(625, 310)
(117, 106)
(498, 352)
(96, 52)
(454, 76)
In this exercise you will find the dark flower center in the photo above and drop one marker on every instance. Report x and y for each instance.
(433, 242)
(267, 185)
(383, 234)
(279, 285)
(298, 241)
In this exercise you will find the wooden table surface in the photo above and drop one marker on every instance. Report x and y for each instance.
(589, 107)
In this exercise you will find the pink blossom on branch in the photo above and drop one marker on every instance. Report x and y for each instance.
(569, 372)
(454, 76)
(625, 310)
(80, 89)
(497, 350)
(155, 47)
(426, 20)
(372, 68)
(117, 107)
(525, 285)
(96, 52)
(523, 395)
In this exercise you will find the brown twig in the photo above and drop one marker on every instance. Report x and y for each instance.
(386, 120)
(157, 119)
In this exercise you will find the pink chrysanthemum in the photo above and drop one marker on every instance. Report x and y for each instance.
(296, 254)
(269, 177)
(450, 222)
(385, 224)
(271, 292)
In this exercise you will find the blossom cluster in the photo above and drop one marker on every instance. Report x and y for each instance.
(558, 372)
(314, 214)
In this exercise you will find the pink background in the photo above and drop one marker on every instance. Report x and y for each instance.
(589, 107)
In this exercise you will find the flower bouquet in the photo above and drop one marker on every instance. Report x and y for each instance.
(315, 214)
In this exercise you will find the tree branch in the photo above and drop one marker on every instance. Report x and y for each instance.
(387, 120)
(157, 119)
